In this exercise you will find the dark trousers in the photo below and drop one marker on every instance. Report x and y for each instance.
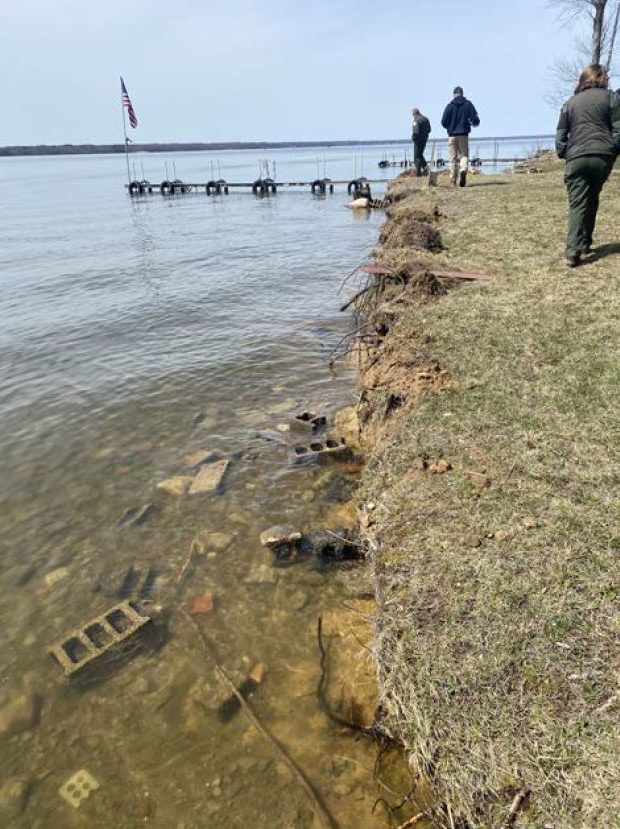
(419, 145)
(584, 178)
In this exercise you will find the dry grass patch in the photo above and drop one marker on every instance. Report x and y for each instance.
(497, 513)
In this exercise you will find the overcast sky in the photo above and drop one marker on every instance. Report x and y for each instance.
(209, 70)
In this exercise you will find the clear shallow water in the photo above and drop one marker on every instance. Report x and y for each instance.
(135, 332)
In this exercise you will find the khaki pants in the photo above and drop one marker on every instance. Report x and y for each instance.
(458, 152)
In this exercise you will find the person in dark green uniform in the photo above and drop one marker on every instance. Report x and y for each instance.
(588, 137)
(419, 135)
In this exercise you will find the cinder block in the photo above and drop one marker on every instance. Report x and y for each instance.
(97, 637)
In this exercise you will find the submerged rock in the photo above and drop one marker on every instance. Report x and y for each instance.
(261, 574)
(210, 477)
(21, 714)
(210, 544)
(54, 576)
(136, 516)
(13, 797)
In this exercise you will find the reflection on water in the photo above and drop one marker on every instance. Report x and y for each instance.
(135, 335)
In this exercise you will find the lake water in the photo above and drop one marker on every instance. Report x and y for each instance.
(136, 332)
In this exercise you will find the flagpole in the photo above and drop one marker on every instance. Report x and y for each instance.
(125, 134)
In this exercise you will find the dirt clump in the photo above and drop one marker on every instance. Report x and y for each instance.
(403, 230)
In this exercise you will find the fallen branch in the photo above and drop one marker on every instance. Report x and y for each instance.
(320, 810)
(515, 808)
(186, 564)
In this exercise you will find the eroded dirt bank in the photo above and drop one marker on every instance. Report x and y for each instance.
(488, 410)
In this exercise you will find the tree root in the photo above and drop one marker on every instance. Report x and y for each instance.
(320, 810)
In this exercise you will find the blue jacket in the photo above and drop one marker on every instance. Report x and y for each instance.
(460, 116)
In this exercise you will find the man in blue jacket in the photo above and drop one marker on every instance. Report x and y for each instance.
(458, 118)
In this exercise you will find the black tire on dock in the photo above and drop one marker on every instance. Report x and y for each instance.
(135, 188)
(213, 188)
(318, 186)
(258, 187)
(384, 164)
(165, 188)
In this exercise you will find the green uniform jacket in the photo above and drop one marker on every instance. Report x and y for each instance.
(421, 130)
(589, 124)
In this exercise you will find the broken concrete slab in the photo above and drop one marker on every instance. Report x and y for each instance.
(98, 636)
(177, 485)
(210, 478)
(200, 456)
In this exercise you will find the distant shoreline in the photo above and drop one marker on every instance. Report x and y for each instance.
(101, 149)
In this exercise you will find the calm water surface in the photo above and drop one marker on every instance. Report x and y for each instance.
(134, 333)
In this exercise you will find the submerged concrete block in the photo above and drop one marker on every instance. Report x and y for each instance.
(78, 787)
(318, 450)
(99, 636)
(308, 422)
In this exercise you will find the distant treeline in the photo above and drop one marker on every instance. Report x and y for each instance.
(94, 149)
(88, 149)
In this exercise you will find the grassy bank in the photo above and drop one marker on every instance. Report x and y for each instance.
(492, 411)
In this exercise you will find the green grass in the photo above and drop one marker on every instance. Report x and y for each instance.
(498, 624)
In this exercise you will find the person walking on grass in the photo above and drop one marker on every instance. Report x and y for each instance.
(419, 135)
(458, 118)
(588, 138)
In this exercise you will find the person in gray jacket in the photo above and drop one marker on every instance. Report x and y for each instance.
(588, 137)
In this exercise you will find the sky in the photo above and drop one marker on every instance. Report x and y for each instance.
(271, 70)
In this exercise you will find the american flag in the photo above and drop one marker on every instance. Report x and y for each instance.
(127, 104)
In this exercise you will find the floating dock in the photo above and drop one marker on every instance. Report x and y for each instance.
(259, 187)
(441, 162)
